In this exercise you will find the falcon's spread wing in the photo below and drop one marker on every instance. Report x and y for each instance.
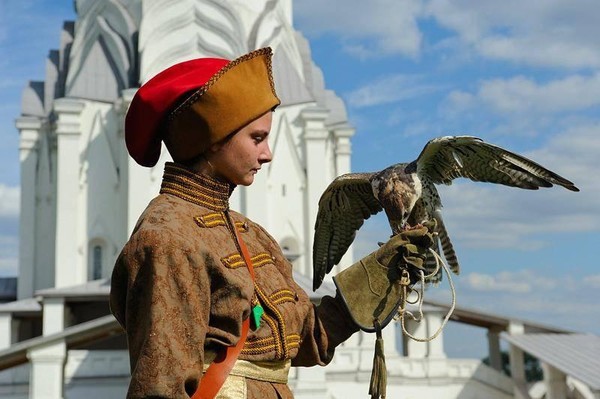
(349, 199)
(343, 208)
(446, 158)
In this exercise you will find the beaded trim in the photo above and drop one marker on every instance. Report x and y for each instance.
(195, 188)
(206, 86)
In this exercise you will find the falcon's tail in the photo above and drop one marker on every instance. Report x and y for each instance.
(447, 246)
(443, 240)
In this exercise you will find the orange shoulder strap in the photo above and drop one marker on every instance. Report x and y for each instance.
(219, 369)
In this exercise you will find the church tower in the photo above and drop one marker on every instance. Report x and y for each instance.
(82, 194)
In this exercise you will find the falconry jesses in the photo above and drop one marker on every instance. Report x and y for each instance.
(407, 193)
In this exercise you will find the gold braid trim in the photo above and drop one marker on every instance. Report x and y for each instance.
(280, 327)
(195, 188)
(282, 296)
(269, 344)
(235, 260)
(276, 323)
(216, 219)
(275, 344)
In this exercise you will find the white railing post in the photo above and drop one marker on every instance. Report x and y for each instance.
(47, 371)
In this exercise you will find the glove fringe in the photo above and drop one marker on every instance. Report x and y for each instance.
(378, 384)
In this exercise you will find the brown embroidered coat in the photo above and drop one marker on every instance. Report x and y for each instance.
(180, 286)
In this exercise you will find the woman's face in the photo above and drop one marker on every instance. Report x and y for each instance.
(238, 159)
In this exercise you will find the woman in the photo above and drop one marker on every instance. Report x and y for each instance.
(195, 274)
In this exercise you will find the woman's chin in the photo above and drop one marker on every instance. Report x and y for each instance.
(248, 180)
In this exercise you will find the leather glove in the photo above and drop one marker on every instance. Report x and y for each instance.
(373, 287)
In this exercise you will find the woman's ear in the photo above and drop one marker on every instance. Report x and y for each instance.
(214, 148)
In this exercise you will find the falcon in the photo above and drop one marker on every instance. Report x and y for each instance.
(407, 194)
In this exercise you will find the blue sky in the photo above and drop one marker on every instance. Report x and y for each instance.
(28, 30)
(523, 75)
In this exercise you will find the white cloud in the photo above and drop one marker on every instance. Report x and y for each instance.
(460, 100)
(390, 89)
(367, 28)
(538, 50)
(564, 301)
(9, 201)
(537, 32)
(553, 33)
(8, 267)
(592, 281)
(486, 282)
(9, 248)
(576, 151)
(488, 216)
(522, 95)
(521, 281)
(500, 217)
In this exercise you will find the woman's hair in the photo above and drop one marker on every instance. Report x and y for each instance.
(202, 156)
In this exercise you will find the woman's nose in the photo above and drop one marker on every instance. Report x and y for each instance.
(266, 155)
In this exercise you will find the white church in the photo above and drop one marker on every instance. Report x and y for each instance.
(81, 195)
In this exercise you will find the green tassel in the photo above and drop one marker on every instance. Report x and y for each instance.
(257, 312)
(377, 387)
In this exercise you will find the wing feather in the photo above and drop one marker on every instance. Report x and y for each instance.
(447, 158)
(344, 206)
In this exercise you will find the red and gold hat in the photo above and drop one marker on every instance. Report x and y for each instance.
(197, 103)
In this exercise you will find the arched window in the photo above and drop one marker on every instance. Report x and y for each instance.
(96, 259)
(97, 262)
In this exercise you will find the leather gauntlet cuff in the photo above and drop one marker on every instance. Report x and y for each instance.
(370, 291)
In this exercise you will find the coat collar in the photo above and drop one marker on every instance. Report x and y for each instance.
(193, 187)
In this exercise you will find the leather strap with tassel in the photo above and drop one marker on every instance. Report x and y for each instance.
(378, 384)
(219, 369)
